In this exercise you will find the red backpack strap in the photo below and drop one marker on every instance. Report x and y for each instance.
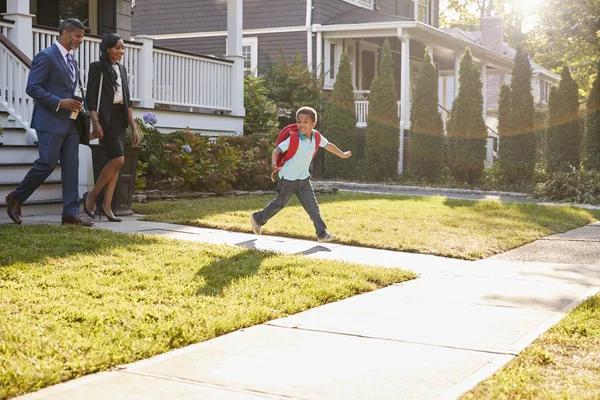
(317, 142)
(294, 143)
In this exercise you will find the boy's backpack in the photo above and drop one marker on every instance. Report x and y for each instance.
(291, 131)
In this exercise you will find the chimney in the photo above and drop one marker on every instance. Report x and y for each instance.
(492, 33)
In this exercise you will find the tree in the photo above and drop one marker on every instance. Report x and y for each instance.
(466, 129)
(382, 143)
(567, 33)
(517, 149)
(339, 121)
(427, 127)
(592, 136)
(261, 113)
(505, 132)
(292, 85)
(565, 136)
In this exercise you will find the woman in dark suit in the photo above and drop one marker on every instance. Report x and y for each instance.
(110, 119)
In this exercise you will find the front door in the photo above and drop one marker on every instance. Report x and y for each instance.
(106, 17)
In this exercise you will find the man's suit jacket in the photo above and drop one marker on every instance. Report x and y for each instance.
(49, 81)
(108, 92)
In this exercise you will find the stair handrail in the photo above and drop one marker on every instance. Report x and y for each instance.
(30, 133)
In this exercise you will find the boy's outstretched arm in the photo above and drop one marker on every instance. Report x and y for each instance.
(332, 148)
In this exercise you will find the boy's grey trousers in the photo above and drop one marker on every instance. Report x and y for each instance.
(285, 190)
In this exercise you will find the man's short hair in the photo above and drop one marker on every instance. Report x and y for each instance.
(69, 25)
(307, 111)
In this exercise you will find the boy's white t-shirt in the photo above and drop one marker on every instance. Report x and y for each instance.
(296, 168)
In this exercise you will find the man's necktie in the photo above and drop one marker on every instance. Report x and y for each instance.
(71, 65)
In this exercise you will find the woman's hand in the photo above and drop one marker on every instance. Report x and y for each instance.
(98, 131)
(136, 137)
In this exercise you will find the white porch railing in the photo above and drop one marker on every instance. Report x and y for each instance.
(13, 80)
(88, 52)
(361, 108)
(5, 26)
(191, 81)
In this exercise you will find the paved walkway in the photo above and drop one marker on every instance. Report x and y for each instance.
(431, 338)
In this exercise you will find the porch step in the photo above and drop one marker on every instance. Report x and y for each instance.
(15, 172)
(48, 192)
(12, 136)
(18, 153)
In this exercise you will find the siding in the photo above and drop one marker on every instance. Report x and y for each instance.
(124, 18)
(269, 45)
(182, 16)
(324, 10)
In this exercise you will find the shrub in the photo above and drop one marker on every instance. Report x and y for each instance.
(577, 186)
(564, 133)
(339, 121)
(427, 128)
(592, 136)
(517, 145)
(382, 143)
(261, 113)
(466, 129)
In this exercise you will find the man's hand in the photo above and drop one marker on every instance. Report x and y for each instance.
(70, 104)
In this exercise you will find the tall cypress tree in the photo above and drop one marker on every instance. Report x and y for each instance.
(339, 121)
(564, 135)
(466, 129)
(592, 136)
(505, 131)
(427, 128)
(553, 142)
(519, 155)
(381, 147)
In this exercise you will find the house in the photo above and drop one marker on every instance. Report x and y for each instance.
(204, 93)
(321, 30)
(492, 37)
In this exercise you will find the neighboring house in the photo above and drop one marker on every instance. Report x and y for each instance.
(185, 90)
(321, 30)
(492, 37)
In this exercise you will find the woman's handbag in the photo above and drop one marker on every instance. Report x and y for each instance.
(83, 121)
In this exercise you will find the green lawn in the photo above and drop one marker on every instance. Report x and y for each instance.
(75, 301)
(561, 364)
(433, 225)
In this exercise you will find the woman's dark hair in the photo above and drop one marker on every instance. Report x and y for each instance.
(109, 41)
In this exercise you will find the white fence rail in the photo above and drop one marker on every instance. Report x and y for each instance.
(13, 81)
(191, 81)
(361, 107)
(88, 52)
(5, 27)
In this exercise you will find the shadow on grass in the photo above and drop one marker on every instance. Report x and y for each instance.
(36, 243)
(222, 273)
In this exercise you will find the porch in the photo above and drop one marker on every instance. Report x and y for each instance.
(409, 40)
(185, 90)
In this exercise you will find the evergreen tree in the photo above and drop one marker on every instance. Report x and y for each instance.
(467, 134)
(592, 136)
(339, 121)
(518, 148)
(382, 142)
(564, 135)
(505, 132)
(261, 113)
(553, 142)
(427, 128)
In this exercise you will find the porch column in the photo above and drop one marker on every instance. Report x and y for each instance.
(483, 68)
(457, 57)
(319, 53)
(21, 33)
(234, 52)
(146, 71)
(404, 96)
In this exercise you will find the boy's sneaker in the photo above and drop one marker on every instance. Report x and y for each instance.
(328, 237)
(256, 228)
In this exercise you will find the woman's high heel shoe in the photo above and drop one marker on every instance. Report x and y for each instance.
(110, 218)
(87, 211)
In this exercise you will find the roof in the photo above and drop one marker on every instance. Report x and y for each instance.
(362, 15)
(508, 51)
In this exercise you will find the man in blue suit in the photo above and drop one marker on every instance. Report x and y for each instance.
(52, 83)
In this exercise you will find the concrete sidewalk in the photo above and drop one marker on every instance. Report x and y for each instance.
(431, 338)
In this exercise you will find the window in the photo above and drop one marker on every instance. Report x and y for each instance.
(250, 53)
(422, 10)
(363, 3)
(333, 52)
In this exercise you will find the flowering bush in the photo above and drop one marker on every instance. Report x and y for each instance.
(184, 160)
(149, 119)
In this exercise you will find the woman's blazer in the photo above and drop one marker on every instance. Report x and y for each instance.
(108, 92)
